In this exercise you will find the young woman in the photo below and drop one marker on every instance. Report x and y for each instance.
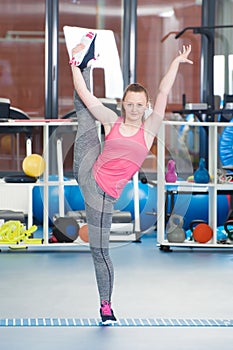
(102, 172)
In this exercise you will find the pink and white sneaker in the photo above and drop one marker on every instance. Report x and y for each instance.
(82, 58)
(106, 313)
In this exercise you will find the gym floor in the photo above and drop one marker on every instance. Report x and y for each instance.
(149, 284)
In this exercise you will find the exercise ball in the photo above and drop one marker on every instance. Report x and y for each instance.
(147, 203)
(53, 205)
(75, 199)
(202, 233)
(33, 165)
(83, 233)
(195, 207)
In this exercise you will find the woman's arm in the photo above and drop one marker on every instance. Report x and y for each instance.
(99, 111)
(153, 122)
(85, 95)
(169, 78)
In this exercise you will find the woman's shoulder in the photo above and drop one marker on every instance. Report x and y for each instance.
(109, 127)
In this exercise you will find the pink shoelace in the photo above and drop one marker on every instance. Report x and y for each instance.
(106, 307)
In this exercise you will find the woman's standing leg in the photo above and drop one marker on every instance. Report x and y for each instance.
(99, 219)
(99, 224)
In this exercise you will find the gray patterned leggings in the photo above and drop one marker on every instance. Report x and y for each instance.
(98, 204)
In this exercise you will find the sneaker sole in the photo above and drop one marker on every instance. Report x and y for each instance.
(80, 57)
(107, 323)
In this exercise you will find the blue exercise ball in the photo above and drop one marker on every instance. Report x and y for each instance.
(53, 207)
(195, 207)
(147, 203)
(75, 200)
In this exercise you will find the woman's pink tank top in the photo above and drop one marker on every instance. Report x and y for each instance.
(121, 158)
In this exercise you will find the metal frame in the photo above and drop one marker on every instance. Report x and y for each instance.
(51, 59)
(129, 41)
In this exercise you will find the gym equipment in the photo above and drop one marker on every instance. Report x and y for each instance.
(74, 198)
(121, 221)
(5, 108)
(225, 146)
(65, 229)
(53, 208)
(147, 203)
(171, 175)
(201, 175)
(228, 227)
(124, 207)
(12, 215)
(10, 142)
(195, 206)
(174, 229)
(154, 323)
(22, 179)
(14, 232)
(33, 165)
(222, 235)
(189, 135)
(201, 231)
(117, 217)
(83, 233)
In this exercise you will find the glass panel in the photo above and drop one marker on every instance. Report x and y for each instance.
(95, 14)
(223, 73)
(21, 74)
(22, 54)
(158, 23)
(98, 14)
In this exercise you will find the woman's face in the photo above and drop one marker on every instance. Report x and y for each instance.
(134, 105)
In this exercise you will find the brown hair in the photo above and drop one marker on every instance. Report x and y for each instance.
(136, 87)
